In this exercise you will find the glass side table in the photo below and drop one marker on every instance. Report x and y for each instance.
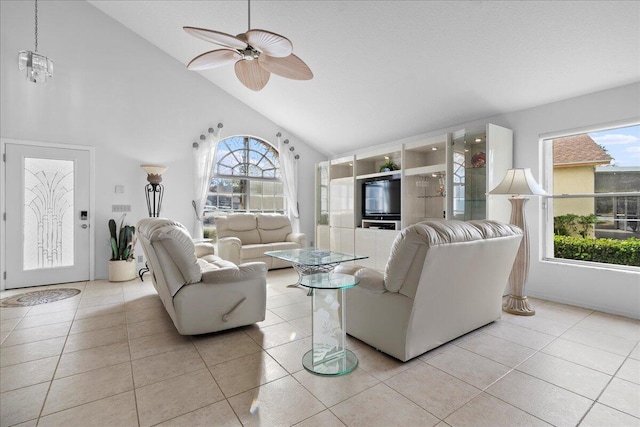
(329, 354)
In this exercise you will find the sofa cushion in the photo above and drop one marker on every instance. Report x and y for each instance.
(212, 262)
(273, 228)
(253, 251)
(241, 225)
(283, 246)
(177, 243)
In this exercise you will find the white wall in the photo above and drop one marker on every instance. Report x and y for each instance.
(120, 94)
(612, 291)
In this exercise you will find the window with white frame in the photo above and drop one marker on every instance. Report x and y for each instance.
(593, 208)
(246, 177)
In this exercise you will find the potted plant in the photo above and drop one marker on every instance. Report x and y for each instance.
(122, 265)
(388, 166)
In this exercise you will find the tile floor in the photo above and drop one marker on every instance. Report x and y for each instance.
(111, 357)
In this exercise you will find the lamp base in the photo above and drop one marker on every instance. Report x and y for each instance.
(518, 305)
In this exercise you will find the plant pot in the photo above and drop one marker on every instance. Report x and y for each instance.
(122, 270)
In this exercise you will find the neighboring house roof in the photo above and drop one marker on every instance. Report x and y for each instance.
(578, 150)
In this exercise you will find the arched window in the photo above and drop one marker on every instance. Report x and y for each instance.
(246, 177)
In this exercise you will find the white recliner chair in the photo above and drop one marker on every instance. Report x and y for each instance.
(201, 292)
(443, 279)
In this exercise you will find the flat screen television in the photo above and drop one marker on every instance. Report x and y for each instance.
(381, 199)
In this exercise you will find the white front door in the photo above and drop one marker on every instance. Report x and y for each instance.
(47, 238)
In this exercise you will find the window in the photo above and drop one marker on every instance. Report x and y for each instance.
(246, 177)
(592, 213)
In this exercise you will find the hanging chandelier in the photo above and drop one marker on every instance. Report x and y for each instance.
(39, 67)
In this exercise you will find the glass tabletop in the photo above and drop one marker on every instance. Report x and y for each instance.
(311, 256)
(329, 281)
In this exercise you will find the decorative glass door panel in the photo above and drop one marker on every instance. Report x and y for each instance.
(48, 213)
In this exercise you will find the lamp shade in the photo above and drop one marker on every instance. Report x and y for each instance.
(519, 182)
(154, 172)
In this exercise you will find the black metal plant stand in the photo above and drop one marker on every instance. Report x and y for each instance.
(154, 192)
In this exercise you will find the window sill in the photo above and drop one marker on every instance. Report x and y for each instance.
(591, 265)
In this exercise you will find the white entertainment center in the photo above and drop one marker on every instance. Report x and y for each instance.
(442, 177)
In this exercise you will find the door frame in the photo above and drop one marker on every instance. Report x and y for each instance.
(92, 199)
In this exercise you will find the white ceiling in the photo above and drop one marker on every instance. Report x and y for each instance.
(386, 70)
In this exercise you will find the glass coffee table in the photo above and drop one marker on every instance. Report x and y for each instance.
(310, 261)
(329, 354)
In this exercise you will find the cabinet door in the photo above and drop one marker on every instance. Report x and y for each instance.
(366, 246)
(347, 243)
(323, 237)
(335, 239)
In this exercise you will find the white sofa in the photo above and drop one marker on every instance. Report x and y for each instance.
(443, 279)
(245, 237)
(201, 292)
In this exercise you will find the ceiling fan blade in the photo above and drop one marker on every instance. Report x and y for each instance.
(213, 59)
(270, 43)
(251, 74)
(223, 39)
(290, 67)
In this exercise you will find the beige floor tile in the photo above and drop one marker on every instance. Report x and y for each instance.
(486, 410)
(541, 324)
(93, 358)
(3, 336)
(371, 408)
(93, 301)
(434, 390)
(568, 375)
(283, 402)
(176, 396)
(148, 313)
(293, 311)
(54, 307)
(436, 351)
(497, 349)
(98, 322)
(30, 423)
(28, 373)
(270, 319)
(223, 346)
(74, 285)
(274, 335)
(30, 321)
(469, 367)
(142, 302)
(98, 311)
(615, 325)
(635, 353)
(518, 334)
(119, 410)
(13, 312)
(31, 351)
(103, 289)
(562, 312)
(87, 387)
(150, 327)
(100, 337)
(157, 344)
(39, 333)
(9, 324)
(581, 354)
(289, 355)
(323, 419)
(303, 323)
(21, 405)
(601, 340)
(333, 390)
(282, 300)
(219, 414)
(246, 372)
(381, 365)
(604, 416)
(623, 396)
(552, 404)
(630, 371)
(162, 366)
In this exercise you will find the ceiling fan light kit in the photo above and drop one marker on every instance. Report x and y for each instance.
(256, 54)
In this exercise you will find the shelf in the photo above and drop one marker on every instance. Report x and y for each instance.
(430, 197)
(426, 170)
(379, 174)
(344, 179)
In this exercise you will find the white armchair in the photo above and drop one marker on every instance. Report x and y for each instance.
(443, 279)
(201, 292)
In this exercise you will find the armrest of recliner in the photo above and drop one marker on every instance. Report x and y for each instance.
(204, 249)
(229, 249)
(240, 273)
(299, 238)
(370, 279)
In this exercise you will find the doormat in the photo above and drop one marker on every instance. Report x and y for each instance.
(38, 297)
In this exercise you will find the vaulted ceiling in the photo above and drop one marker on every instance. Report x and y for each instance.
(386, 70)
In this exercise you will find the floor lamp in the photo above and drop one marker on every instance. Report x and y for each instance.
(519, 182)
(154, 192)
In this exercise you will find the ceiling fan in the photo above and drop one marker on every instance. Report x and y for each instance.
(256, 54)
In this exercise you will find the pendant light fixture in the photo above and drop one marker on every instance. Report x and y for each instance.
(39, 67)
